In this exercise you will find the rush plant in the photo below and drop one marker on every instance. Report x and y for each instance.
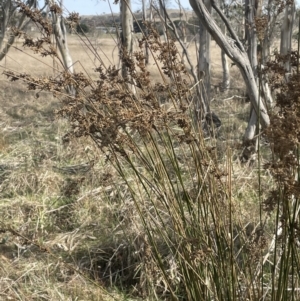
(189, 242)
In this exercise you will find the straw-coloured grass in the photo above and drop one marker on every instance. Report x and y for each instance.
(121, 193)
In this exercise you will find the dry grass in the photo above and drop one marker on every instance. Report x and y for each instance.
(47, 216)
(83, 49)
(62, 232)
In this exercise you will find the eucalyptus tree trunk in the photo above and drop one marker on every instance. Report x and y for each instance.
(127, 30)
(151, 11)
(267, 94)
(272, 13)
(226, 73)
(144, 11)
(266, 45)
(8, 11)
(253, 12)
(60, 33)
(163, 19)
(250, 32)
(286, 34)
(251, 37)
(225, 66)
(266, 51)
(204, 61)
(236, 52)
(265, 56)
(127, 41)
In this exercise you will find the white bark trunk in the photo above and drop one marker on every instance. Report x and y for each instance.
(251, 34)
(286, 33)
(266, 91)
(127, 29)
(235, 51)
(251, 37)
(265, 55)
(162, 8)
(272, 17)
(251, 127)
(4, 24)
(6, 8)
(144, 11)
(60, 34)
(204, 60)
(127, 39)
(225, 66)
(226, 73)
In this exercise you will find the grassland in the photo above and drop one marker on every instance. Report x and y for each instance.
(69, 229)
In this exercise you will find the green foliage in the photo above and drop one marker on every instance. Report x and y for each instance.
(82, 28)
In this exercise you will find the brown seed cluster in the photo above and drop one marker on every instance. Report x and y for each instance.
(284, 137)
(106, 109)
(35, 16)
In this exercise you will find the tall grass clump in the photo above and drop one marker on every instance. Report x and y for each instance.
(283, 135)
(183, 232)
